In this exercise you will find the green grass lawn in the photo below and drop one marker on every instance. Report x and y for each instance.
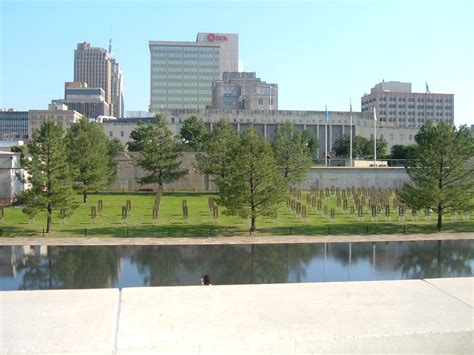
(202, 224)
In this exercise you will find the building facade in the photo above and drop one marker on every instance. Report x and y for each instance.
(395, 103)
(90, 102)
(181, 73)
(244, 91)
(56, 112)
(229, 49)
(13, 125)
(266, 123)
(96, 67)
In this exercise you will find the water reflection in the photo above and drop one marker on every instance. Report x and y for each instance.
(51, 267)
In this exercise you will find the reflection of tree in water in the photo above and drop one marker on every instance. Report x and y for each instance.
(359, 251)
(226, 264)
(437, 259)
(158, 264)
(72, 267)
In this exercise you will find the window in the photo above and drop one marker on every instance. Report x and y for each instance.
(391, 136)
(260, 102)
(401, 136)
(110, 134)
(411, 137)
(121, 134)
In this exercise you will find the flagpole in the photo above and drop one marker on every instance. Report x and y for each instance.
(375, 139)
(350, 137)
(326, 139)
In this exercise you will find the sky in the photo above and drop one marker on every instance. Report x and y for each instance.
(318, 52)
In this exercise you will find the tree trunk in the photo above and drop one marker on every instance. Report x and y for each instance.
(253, 227)
(84, 194)
(48, 220)
(440, 220)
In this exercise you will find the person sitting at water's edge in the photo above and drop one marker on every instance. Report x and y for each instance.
(206, 280)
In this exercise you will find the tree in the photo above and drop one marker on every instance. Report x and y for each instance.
(45, 161)
(359, 144)
(216, 157)
(194, 132)
(139, 136)
(381, 148)
(400, 151)
(440, 178)
(361, 147)
(90, 157)
(160, 153)
(312, 142)
(291, 153)
(253, 185)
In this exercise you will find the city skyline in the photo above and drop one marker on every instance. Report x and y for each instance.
(318, 52)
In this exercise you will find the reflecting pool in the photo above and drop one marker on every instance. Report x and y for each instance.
(66, 267)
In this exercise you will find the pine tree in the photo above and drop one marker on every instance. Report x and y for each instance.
(291, 153)
(90, 157)
(48, 173)
(440, 178)
(216, 157)
(253, 185)
(160, 153)
(194, 132)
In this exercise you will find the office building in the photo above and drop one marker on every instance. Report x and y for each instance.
(13, 125)
(266, 122)
(96, 67)
(57, 112)
(244, 91)
(396, 103)
(181, 73)
(90, 102)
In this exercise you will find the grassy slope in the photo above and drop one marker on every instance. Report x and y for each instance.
(201, 223)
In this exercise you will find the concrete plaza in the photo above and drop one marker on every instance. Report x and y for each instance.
(429, 316)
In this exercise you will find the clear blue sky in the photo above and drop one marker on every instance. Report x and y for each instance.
(318, 52)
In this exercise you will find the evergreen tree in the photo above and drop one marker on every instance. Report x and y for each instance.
(441, 180)
(312, 143)
(194, 132)
(45, 161)
(160, 153)
(253, 185)
(90, 156)
(216, 157)
(291, 153)
(139, 136)
(361, 147)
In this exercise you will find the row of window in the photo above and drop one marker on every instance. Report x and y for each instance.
(176, 49)
(410, 99)
(197, 65)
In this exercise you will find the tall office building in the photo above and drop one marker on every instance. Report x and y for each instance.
(244, 91)
(181, 73)
(397, 104)
(96, 67)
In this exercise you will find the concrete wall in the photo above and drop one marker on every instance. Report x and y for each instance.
(343, 177)
(320, 177)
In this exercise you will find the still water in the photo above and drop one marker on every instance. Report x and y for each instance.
(55, 267)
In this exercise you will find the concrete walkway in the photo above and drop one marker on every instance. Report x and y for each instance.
(237, 240)
(429, 316)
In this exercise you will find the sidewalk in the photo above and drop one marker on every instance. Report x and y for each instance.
(237, 240)
(434, 315)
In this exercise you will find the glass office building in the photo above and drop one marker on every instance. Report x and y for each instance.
(181, 74)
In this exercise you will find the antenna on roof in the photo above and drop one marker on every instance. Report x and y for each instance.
(110, 39)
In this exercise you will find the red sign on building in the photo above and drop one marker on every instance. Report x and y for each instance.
(212, 37)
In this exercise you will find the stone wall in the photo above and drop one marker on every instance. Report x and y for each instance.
(320, 177)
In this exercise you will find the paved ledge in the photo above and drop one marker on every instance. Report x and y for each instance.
(429, 316)
(236, 240)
